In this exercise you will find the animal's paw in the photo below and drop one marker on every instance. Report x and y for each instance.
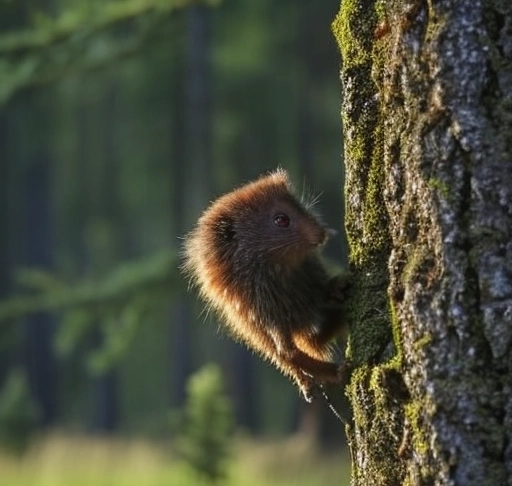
(308, 387)
(311, 393)
(343, 371)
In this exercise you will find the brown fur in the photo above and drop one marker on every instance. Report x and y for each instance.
(268, 282)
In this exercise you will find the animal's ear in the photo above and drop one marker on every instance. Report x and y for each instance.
(226, 229)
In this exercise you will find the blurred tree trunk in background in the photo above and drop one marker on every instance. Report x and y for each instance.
(5, 233)
(106, 402)
(181, 316)
(79, 232)
(25, 235)
(4, 202)
(38, 243)
(198, 111)
(194, 175)
(97, 245)
(427, 117)
(109, 212)
(307, 22)
(242, 372)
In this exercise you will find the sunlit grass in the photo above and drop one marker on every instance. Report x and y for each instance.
(59, 460)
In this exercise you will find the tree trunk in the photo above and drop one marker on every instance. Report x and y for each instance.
(427, 118)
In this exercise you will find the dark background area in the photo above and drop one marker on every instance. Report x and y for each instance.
(112, 164)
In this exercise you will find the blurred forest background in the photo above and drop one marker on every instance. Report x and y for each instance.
(119, 122)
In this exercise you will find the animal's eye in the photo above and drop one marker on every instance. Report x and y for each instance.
(281, 220)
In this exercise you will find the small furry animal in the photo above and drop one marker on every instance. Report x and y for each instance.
(254, 256)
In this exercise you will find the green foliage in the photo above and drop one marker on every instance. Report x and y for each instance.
(119, 331)
(83, 38)
(206, 438)
(37, 279)
(117, 304)
(153, 276)
(18, 413)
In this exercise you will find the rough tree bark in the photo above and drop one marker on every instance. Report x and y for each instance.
(427, 116)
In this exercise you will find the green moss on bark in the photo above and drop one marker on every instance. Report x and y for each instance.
(368, 236)
(377, 424)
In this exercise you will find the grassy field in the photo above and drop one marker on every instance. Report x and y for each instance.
(58, 460)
